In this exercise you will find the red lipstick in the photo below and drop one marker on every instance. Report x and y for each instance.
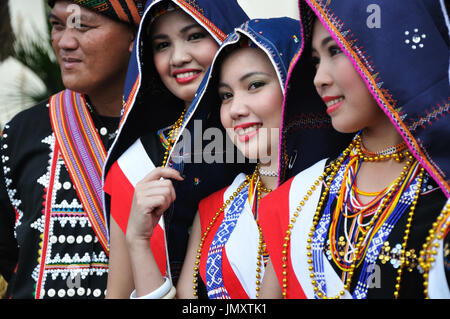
(332, 108)
(248, 136)
(194, 74)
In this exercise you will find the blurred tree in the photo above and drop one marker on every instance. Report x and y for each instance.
(37, 54)
(6, 32)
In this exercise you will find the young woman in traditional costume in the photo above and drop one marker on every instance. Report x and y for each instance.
(175, 46)
(225, 250)
(370, 223)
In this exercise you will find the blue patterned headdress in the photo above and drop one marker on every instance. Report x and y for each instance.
(147, 103)
(279, 38)
(400, 49)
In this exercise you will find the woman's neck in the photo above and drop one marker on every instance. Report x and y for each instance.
(269, 181)
(375, 176)
(380, 137)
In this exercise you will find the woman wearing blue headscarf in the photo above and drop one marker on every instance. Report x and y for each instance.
(244, 94)
(174, 47)
(370, 222)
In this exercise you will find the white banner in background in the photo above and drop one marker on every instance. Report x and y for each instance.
(270, 8)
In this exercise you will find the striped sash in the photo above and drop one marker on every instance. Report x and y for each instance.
(83, 153)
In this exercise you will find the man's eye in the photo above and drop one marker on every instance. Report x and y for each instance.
(56, 25)
(82, 27)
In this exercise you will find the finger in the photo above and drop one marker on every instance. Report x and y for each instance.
(163, 172)
(160, 205)
(167, 192)
(147, 201)
(143, 187)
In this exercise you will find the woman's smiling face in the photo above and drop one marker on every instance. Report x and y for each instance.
(182, 52)
(251, 103)
(349, 103)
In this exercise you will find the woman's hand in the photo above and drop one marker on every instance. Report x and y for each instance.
(152, 197)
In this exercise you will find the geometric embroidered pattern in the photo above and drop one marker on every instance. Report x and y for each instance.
(214, 277)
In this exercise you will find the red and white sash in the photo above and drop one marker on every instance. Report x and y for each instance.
(120, 182)
(239, 255)
(288, 197)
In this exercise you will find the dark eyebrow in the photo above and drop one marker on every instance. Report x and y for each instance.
(183, 30)
(159, 37)
(222, 84)
(326, 40)
(323, 43)
(243, 78)
(188, 27)
(84, 18)
(52, 16)
(250, 74)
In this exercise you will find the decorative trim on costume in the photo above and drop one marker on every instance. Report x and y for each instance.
(46, 219)
(214, 277)
(130, 100)
(430, 115)
(299, 237)
(83, 153)
(127, 11)
(230, 248)
(190, 7)
(15, 202)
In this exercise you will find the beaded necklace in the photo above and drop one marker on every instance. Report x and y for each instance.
(346, 210)
(170, 140)
(394, 151)
(264, 172)
(427, 255)
(365, 233)
(251, 181)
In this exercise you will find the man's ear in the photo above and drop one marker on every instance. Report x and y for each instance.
(131, 46)
(132, 39)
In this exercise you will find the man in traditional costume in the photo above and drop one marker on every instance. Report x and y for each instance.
(54, 242)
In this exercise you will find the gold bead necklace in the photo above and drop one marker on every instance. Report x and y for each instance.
(394, 152)
(172, 137)
(428, 253)
(332, 170)
(261, 245)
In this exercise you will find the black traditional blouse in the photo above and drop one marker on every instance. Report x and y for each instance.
(76, 265)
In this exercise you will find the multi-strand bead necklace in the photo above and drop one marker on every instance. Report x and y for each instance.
(428, 254)
(380, 212)
(252, 181)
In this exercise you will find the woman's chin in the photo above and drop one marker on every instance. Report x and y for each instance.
(344, 126)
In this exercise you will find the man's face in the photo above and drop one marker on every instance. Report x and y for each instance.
(92, 50)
